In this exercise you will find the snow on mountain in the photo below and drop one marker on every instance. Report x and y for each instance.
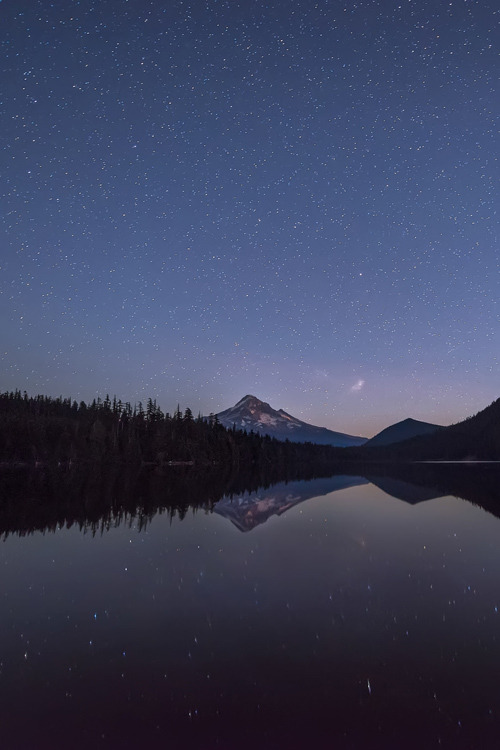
(250, 413)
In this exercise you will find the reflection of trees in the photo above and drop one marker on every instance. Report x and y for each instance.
(99, 496)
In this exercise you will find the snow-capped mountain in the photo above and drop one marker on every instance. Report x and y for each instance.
(252, 414)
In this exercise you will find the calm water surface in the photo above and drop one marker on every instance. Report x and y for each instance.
(327, 614)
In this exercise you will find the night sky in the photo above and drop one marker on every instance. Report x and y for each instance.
(294, 199)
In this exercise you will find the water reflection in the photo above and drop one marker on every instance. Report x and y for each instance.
(358, 615)
(99, 497)
(250, 509)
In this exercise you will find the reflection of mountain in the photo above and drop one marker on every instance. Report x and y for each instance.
(249, 510)
(46, 499)
(479, 483)
(410, 483)
(402, 490)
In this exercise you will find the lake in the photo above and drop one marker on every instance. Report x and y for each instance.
(330, 613)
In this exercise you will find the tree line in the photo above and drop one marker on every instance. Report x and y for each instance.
(43, 429)
(46, 429)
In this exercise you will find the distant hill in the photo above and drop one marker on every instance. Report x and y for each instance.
(408, 428)
(476, 438)
(250, 413)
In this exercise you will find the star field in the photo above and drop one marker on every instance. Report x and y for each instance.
(298, 200)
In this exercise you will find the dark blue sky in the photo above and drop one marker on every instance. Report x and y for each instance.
(294, 199)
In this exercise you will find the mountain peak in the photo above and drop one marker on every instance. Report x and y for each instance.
(248, 398)
(250, 413)
(404, 430)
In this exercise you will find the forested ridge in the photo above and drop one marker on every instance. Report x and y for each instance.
(45, 429)
(104, 461)
(475, 438)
